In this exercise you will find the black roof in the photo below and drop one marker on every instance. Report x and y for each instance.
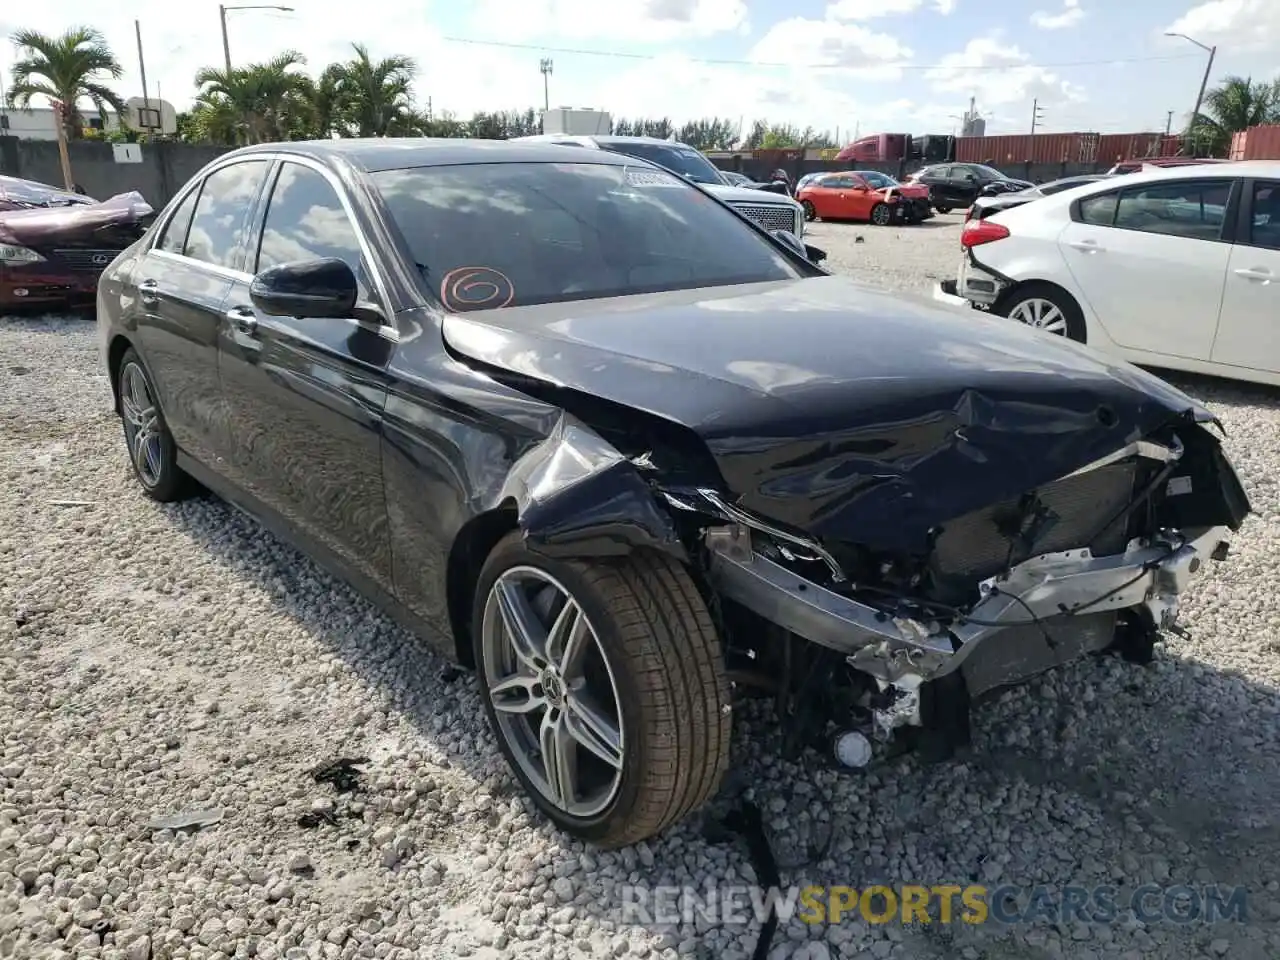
(395, 153)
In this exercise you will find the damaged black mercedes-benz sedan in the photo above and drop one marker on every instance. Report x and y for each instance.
(630, 457)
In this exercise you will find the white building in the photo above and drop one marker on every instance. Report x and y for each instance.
(38, 123)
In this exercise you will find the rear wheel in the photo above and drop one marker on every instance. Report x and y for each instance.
(152, 452)
(810, 213)
(881, 215)
(604, 684)
(1046, 308)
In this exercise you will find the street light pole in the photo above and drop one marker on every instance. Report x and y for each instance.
(1204, 81)
(545, 66)
(222, 19)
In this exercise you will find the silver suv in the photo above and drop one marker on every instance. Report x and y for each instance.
(772, 211)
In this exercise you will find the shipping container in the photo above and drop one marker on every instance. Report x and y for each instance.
(1114, 147)
(1257, 143)
(1028, 148)
(879, 148)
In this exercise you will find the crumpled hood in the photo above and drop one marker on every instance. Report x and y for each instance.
(60, 224)
(835, 408)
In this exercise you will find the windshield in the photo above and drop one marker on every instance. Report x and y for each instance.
(878, 180)
(676, 157)
(494, 235)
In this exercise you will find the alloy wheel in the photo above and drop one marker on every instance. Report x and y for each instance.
(141, 424)
(554, 697)
(1041, 314)
(809, 211)
(881, 215)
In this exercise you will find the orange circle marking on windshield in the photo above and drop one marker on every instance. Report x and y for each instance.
(470, 287)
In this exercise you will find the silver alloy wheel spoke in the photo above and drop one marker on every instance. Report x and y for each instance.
(559, 759)
(1041, 314)
(554, 697)
(526, 634)
(593, 730)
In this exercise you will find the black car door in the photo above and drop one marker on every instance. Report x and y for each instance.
(964, 184)
(306, 395)
(181, 283)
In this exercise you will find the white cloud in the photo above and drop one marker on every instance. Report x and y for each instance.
(1243, 24)
(999, 76)
(869, 9)
(807, 43)
(647, 21)
(1068, 16)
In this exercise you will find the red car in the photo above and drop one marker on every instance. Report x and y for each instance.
(51, 257)
(864, 195)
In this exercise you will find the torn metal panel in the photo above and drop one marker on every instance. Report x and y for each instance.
(576, 495)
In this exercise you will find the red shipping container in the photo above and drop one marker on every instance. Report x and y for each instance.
(1257, 143)
(1028, 148)
(1114, 147)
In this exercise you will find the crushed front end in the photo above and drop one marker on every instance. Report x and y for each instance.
(1097, 559)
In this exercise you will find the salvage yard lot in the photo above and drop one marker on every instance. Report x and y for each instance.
(157, 659)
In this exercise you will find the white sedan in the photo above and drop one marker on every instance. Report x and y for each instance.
(1176, 268)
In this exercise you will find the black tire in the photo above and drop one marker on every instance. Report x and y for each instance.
(941, 208)
(810, 212)
(673, 697)
(165, 481)
(1066, 305)
(881, 215)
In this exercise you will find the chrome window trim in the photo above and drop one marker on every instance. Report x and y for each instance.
(386, 330)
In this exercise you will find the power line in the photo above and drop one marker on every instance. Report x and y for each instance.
(615, 54)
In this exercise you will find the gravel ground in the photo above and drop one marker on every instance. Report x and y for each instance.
(158, 659)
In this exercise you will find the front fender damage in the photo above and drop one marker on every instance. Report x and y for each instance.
(577, 495)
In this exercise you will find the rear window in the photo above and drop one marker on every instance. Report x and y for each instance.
(485, 236)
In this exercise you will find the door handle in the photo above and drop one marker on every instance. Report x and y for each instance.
(149, 291)
(1264, 276)
(244, 320)
(1088, 246)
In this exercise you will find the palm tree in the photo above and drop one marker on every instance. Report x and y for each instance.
(259, 103)
(1236, 105)
(68, 68)
(368, 98)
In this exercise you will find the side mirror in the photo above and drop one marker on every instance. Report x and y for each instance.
(791, 240)
(814, 254)
(306, 288)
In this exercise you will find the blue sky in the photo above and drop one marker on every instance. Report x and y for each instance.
(869, 65)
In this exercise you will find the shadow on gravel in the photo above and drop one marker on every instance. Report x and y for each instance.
(1101, 773)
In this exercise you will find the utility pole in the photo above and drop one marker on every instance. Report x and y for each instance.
(145, 118)
(545, 66)
(226, 44)
(1168, 124)
(1204, 82)
(1037, 115)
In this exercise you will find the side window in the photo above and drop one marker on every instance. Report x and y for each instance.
(1264, 228)
(218, 229)
(306, 221)
(1188, 208)
(174, 237)
(1099, 210)
(837, 183)
(941, 173)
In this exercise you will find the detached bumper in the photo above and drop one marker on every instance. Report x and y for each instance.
(1147, 576)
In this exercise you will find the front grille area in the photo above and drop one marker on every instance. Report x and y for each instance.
(975, 546)
(771, 216)
(88, 261)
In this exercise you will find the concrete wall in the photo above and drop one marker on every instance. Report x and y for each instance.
(165, 167)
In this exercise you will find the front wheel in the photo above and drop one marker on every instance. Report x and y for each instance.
(810, 212)
(604, 684)
(1046, 308)
(881, 215)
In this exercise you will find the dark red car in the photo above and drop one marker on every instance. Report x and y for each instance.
(51, 257)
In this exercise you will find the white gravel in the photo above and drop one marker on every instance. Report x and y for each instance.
(160, 659)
